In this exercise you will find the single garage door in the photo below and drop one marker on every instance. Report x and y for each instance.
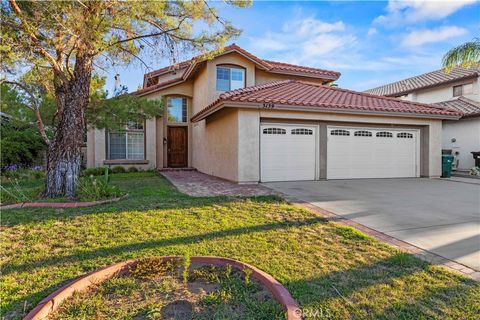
(287, 152)
(372, 153)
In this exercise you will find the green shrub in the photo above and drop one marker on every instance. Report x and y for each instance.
(93, 188)
(24, 174)
(20, 143)
(94, 171)
(132, 169)
(118, 169)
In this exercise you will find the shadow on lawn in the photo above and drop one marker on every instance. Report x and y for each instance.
(314, 294)
(134, 247)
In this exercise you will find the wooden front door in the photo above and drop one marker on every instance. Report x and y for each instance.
(177, 147)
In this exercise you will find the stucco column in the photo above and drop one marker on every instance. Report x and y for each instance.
(248, 146)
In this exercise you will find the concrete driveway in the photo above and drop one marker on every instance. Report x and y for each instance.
(440, 216)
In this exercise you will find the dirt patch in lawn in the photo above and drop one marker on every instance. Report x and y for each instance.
(158, 289)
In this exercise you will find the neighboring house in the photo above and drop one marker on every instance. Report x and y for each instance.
(246, 119)
(457, 90)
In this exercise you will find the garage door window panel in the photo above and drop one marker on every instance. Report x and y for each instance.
(362, 133)
(384, 134)
(302, 131)
(405, 135)
(274, 131)
(339, 133)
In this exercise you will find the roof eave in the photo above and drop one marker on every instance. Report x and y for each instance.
(306, 74)
(400, 93)
(222, 104)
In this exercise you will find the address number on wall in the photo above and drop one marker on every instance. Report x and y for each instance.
(268, 105)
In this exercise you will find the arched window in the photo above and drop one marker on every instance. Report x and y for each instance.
(302, 131)
(339, 132)
(362, 133)
(274, 131)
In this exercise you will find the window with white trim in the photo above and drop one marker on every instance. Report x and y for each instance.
(339, 132)
(302, 131)
(274, 131)
(384, 134)
(362, 133)
(405, 135)
(230, 78)
(127, 144)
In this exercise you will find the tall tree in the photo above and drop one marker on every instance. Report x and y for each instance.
(466, 55)
(63, 42)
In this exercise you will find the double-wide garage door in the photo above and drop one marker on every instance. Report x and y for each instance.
(292, 152)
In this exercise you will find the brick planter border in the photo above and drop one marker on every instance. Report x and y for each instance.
(61, 204)
(53, 301)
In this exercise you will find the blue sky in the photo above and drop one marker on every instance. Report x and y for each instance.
(370, 42)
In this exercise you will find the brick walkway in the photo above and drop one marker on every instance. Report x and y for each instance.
(198, 184)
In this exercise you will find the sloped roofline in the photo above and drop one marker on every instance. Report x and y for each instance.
(270, 66)
(240, 98)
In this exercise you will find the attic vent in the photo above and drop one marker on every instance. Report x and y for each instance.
(152, 81)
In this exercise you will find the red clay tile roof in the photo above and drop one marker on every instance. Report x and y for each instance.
(304, 95)
(272, 66)
(281, 66)
(426, 80)
(468, 107)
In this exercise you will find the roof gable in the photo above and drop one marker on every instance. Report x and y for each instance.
(186, 69)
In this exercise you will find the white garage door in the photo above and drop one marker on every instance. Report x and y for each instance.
(372, 153)
(287, 152)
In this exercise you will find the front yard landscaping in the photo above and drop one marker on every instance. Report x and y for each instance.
(332, 271)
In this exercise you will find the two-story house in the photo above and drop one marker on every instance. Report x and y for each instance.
(456, 90)
(245, 119)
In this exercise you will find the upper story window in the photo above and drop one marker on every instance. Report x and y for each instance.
(463, 89)
(177, 109)
(230, 78)
(128, 144)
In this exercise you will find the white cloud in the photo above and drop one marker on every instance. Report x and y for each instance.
(311, 26)
(399, 11)
(306, 38)
(371, 32)
(268, 43)
(419, 37)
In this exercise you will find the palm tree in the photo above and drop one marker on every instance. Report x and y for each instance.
(466, 55)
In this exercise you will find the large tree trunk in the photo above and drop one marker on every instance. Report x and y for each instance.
(64, 151)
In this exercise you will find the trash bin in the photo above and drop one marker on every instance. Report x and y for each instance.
(476, 156)
(447, 161)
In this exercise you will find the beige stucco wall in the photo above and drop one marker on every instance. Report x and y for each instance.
(249, 126)
(217, 151)
(262, 77)
(443, 93)
(467, 135)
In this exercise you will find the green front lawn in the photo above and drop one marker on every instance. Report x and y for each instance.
(330, 270)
